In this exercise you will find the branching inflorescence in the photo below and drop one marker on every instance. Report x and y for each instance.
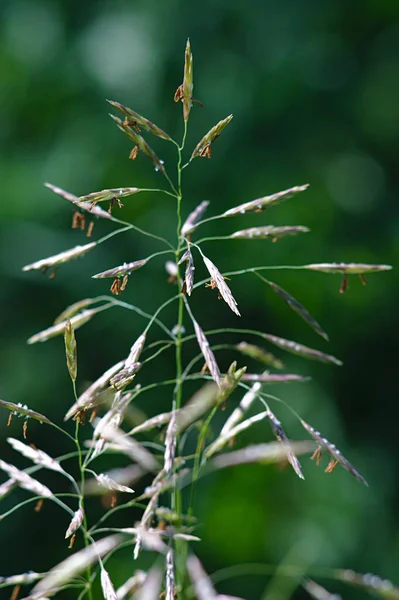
(167, 524)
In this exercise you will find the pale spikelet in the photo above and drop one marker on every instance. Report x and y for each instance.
(224, 439)
(170, 576)
(130, 447)
(76, 522)
(269, 232)
(204, 589)
(202, 401)
(89, 397)
(348, 268)
(7, 486)
(151, 587)
(261, 453)
(107, 586)
(140, 142)
(131, 585)
(145, 522)
(260, 204)
(241, 409)
(60, 258)
(110, 484)
(337, 456)
(368, 581)
(135, 120)
(136, 350)
(188, 84)
(189, 274)
(73, 309)
(190, 223)
(112, 194)
(301, 350)
(71, 350)
(170, 445)
(272, 378)
(218, 280)
(123, 477)
(37, 456)
(75, 564)
(203, 148)
(259, 354)
(22, 579)
(94, 210)
(25, 481)
(207, 353)
(299, 309)
(21, 410)
(121, 270)
(283, 439)
(153, 422)
(76, 322)
(318, 592)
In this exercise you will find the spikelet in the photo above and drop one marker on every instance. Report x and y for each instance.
(94, 210)
(107, 586)
(316, 591)
(269, 232)
(76, 522)
(189, 274)
(348, 268)
(260, 204)
(108, 483)
(241, 409)
(60, 258)
(73, 309)
(259, 354)
(336, 455)
(260, 453)
(111, 194)
(203, 148)
(207, 353)
(153, 422)
(170, 445)
(190, 223)
(135, 120)
(120, 271)
(369, 582)
(272, 378)
(58, 329)
(170, 590)
(203, 587)
(37, 456)
(21, 410)
(70, 350)
(230, 381)
(188, 85)
(223, 439)
(283, 439)
(25, 481)
(151, 587)
(125, 376)
(130, 447)
(217, 280)
(301, 350)
(299, 309)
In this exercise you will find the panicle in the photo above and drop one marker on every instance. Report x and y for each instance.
(60, 258)
(189, 274)
(301, 350)
(71, 350)
(207, 353)
(133, 119)
(203, 148)
(217, 279)
(37, 456)
(77, 321)
(25, 481)
(337, 456)
(190, 223)
(259, 354)
(120, 271)
(76, 522)
(260, 204)
(269, 231)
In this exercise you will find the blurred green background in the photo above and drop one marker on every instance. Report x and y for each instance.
(314, 89)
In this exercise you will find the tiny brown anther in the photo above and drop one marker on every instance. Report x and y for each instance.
(113, 500)
(275, 239)
(184, 289)
(134, 124)
(116, 287)
(331, 466)
(111, 205)
(90, 229)
(124, 282)
(317, 454)
(93, 415)
(10, 416)
(197, 102)
(25, 429)
(178, 94)
(75, 219)
(172, 279)
(206, 152)
(80, 417)
(71, 541)
(204, 369)
(134, 153)
(344, 285)
(232, 442)
(52, 274)
(363, 279)
(39, 504)
(15, 592)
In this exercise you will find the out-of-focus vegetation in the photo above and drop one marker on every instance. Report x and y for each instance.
(314, 90)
